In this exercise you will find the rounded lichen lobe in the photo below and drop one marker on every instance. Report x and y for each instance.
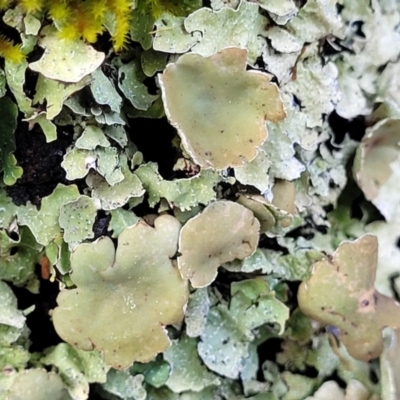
(223, 232)
(340, 292)
(218, 107)
(124, 298)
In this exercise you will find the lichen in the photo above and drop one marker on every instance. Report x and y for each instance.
(224, 231)
(129, 294)
(341, 292)
(202, 97)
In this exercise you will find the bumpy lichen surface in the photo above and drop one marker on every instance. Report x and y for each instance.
(172, 172)
(38, 384)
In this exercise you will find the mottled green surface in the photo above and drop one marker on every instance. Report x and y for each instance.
(246, 146)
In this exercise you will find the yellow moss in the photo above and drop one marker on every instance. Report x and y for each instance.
(31, 6)
(120, 36)
(88, 19)
(87, 25)
(58, 10)
(4, 4)
(157, 7)
(69, 32)
(122, 10)
(10, 51)
(120, 6)
(78, 21)
(98, 8)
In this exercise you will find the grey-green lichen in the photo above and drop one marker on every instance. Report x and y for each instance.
(192, 181)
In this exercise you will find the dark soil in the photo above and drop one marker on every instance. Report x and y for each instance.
(41, 163)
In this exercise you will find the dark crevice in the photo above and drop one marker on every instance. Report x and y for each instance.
(339, 8)
(229, 192)
(307, 231)
(94, 392)
(260, 64)
(292, 293)
(13, 235)
(41, 163)
(223, 282)
(300, 3)
(361, 208)
(340, 126)
(357, 27)
(100, 226)
(373, 376)
(14, 250)
(152, 87)
(42, 334)
(356, 211)
(335, 377)
(296, 102)
(143, 208)
(154, 137)
(271, 243)
(103, 42)
(268, 351)
(31, 79)
(309, 371)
